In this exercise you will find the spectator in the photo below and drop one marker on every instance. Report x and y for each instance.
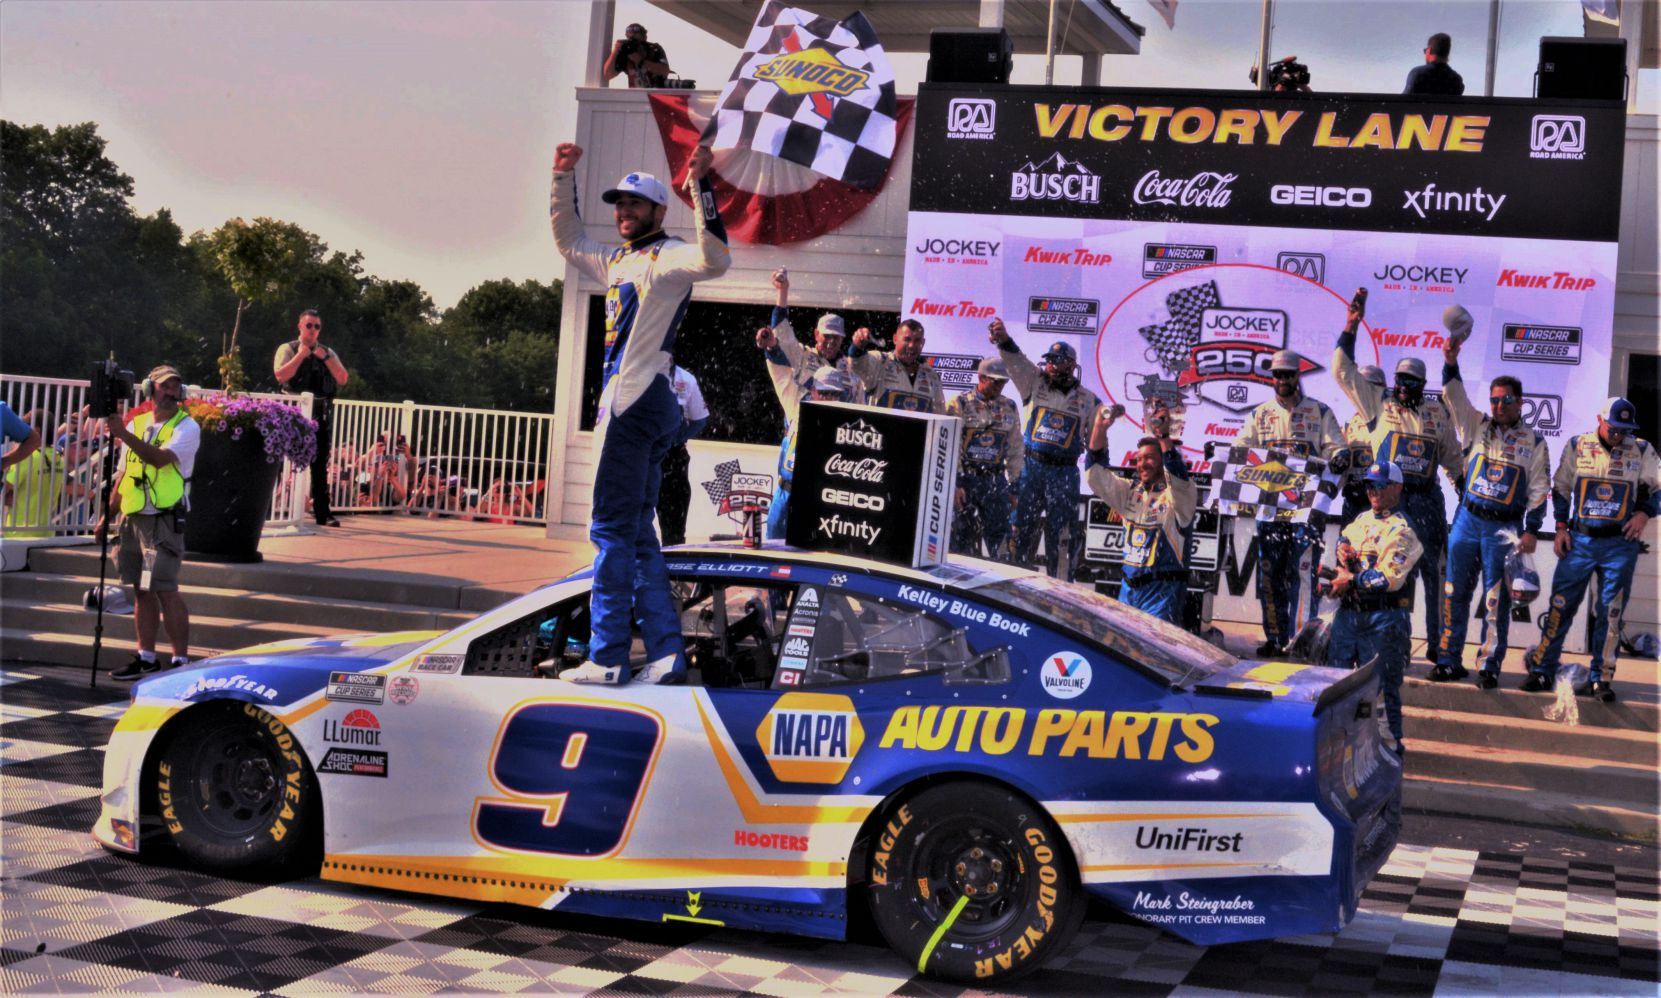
(305, 365)
(1435, 78)
(385, 472)
(644, 62)
(33, 487)
(16, 431)
(676, 492)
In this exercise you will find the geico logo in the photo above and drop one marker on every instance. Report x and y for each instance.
(958, 247)
(1326, 197)
(1186, 840)
(1140, 735)
(853, 500)
(809, 734)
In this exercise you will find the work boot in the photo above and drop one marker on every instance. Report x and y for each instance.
(1597, 689)
(1487, 681)
(1447, 674)
(597, 674)
(1268, 649)
(1537, 682)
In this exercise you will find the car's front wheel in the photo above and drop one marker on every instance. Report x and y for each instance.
(235, 792)
(972, 882)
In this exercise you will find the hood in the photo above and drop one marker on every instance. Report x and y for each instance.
(1297, 681)
(283, 672)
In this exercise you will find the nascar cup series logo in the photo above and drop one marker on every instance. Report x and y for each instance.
(1064, 675)
(811, 737)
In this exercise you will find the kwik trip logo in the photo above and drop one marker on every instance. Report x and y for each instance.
(971, 118)
(1557, 136)
(811, 737)
(1208, 189)
(859, 433)
(1055, 179)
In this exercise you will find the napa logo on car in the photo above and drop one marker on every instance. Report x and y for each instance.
(1064, 675)
(811, 737)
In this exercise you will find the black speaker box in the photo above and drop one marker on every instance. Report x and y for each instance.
(1584, 68)
(970, 55)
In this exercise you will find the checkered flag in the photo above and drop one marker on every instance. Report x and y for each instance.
(1174, 339)
(722, 483)
(1268, 485)
(812, 91)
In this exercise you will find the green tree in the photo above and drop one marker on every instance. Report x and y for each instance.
(514, 328)
(262, 261)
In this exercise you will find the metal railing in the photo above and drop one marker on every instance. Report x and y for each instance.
(385, 457)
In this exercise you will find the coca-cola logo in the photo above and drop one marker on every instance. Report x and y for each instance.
(1203, 190)
(866, 469)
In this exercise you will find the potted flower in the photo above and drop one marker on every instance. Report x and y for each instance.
(244, 442)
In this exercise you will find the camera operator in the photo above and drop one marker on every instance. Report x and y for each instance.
(1286, 76)
(644, 62)
(1435, 78)
(152, 495)
(305, 365)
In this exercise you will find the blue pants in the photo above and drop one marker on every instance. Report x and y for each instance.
(631, 581)
(1613, 559)
(1287, 556)
(984, 516)
(1427, 514)
(1163, 598)
(1475, 544)
(778, 512)
(1360, 635)
(1048, 496)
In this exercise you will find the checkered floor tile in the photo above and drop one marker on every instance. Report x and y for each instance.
(75, 919)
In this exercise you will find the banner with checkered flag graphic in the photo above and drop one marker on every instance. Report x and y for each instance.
(813, 91)
(1269, 485)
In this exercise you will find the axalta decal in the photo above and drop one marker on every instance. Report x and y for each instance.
(1249, 126)
(1150, 736)
(811, 737)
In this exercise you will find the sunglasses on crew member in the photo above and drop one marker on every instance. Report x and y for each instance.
(314, 325)
(1506, 399)
(1375, 487)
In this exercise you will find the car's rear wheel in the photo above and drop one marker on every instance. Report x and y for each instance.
(973, 882)
(234, 791)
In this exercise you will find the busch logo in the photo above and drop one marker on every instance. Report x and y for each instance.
(866, 469)
(1056, 179)
(971, 118)
(1203, 190)
(1557, 136)
(1310, 266)
(859, 434)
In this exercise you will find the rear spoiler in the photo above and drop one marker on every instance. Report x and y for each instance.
(1344, 687)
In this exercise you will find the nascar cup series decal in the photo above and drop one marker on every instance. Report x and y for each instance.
(811, 737)
(1064, 675)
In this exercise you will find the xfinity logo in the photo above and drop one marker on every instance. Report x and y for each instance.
(1203, 190)
(971, 118)
(1056, 179)
(1311, 266)
(859, 434)
(1557, 136)
(1323, 197)
(1475, 202)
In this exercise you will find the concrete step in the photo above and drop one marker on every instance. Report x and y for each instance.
(1526, 806)
(317, 580)
(1511, 703)
(212, 601)
(1489, 731)
(1560, 769)
(208, 634)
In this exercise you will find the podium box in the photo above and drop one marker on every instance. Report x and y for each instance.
(877, 483)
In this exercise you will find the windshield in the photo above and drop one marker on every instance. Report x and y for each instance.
(1179, 656)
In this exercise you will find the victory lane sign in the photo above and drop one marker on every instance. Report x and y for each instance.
(877, 483)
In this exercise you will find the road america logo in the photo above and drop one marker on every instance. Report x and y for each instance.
(1557, 136)
(1311, 266)
(971, 118)
(1064, 675)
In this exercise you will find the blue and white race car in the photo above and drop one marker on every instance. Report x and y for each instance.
(968, 752)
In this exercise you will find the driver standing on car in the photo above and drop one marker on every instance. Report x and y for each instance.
(1374, 586)
(1158, 510)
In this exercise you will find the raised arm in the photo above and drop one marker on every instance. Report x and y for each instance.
(588, 255)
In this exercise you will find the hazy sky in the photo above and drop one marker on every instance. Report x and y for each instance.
(420, 132)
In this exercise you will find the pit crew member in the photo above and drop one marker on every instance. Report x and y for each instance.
(898, 379)
(1358, 435)
(1606, 491)
(990, 462)
(1059, 417)
(827, 384)
(648, 282)
(1374, 585)
(1158, 510)
(1507, 478)
(1288, 553)
(1416, 434)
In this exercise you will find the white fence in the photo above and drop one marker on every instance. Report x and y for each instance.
(385, 457)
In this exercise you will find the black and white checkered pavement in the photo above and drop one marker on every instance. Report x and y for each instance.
(75, 919)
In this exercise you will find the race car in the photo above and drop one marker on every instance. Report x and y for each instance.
(967, 753)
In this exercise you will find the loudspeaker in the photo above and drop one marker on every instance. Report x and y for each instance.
(970, 55)
(1585, 68)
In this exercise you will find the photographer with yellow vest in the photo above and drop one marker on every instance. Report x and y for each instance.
(152, 495)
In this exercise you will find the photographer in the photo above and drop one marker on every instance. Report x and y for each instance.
(152, 495)
(1286, 76)
(305, 365)
(644, 62)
